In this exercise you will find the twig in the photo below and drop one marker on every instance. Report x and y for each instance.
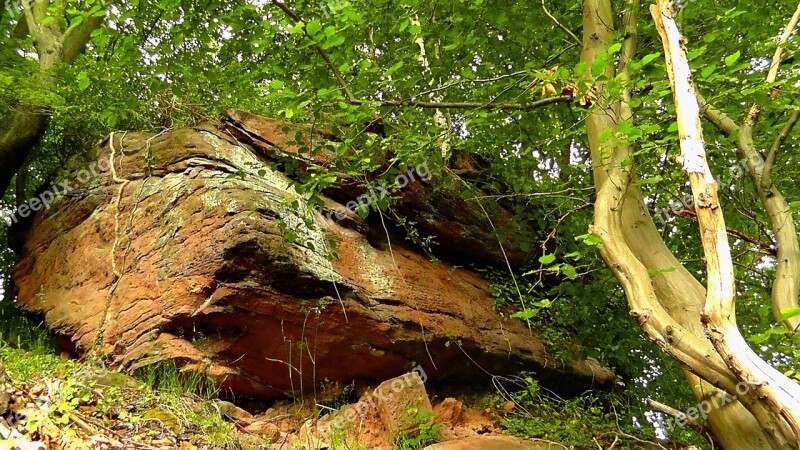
(681, 416)
(566, 30)
(465, 81)
(630, 436)
(502, 248)
(464, 105)
(686, 213)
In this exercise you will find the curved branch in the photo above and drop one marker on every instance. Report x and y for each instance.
(74, 40)
(766, 175)
(755, 110)
(719, 119)
(680, 416)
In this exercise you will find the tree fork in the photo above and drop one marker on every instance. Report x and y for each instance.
(777, 394)
(623, 222)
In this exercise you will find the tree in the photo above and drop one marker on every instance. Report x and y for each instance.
(59, 35)
(697, 329)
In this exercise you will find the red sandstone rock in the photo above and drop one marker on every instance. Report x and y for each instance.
(449, 411)
(196, 223)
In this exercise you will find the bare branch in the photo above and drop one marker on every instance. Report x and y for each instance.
(469, 105)
(476, 80)
(680, 416)
(765, 247)
(719, 119)
(29, 20)
(76, 37)
(41, 9)
(339, 78)
(787, 33)
(629, 22)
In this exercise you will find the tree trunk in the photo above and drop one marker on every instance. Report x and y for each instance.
(27, 125)
(779, 396)
(669, 305)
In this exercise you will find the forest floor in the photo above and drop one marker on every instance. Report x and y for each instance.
(47, 402)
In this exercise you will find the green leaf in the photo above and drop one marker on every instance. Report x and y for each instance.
(333, 41)
(731, 59)
(649, 58)
(111, 120)
(547, 259)
(545, 303)
(789, 313)
(697, 52)
(569, 271)
(525, 314)
(313, 27)
(83, 81)
(708, 71)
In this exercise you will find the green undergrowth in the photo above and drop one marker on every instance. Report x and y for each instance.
(165, 377)
(426, 432)
(26, 348)
(160, 401)
(592, 420)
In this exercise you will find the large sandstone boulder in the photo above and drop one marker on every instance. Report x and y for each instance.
(192, 249)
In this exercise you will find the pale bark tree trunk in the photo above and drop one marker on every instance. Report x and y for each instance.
(54, 45)
(779, 396)
(786, 288)
(669, 305)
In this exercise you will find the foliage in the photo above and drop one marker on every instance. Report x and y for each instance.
(20, 330)
(77, 392)
(587, 421)
(425, 431)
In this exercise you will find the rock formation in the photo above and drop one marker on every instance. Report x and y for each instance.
(193, 247)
